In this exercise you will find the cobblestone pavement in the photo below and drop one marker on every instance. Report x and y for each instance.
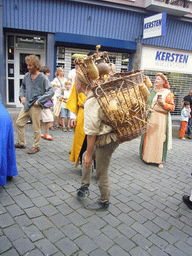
(40, 215)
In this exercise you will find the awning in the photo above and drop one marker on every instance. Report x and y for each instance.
(89, 42)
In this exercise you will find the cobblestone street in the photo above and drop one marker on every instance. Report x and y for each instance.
(40, 214)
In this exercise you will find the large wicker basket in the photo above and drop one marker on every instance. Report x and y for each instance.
(124, 106)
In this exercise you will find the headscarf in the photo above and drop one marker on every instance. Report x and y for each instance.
(81, 77)
(164, 77)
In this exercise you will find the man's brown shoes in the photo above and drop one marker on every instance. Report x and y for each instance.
(33, 150)
(17, 145)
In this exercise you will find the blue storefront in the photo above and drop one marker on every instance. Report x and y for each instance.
(58, 31)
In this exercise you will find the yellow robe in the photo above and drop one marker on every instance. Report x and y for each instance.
(75, 104)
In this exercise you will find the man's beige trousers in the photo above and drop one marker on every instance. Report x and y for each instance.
(34, 113)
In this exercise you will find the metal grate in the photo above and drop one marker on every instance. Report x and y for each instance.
(180, 85)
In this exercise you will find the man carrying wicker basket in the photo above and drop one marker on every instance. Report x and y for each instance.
(101, 142)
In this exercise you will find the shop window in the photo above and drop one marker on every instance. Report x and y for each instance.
(125, 62)
(11, 93)
(10, 48)
(30, 42)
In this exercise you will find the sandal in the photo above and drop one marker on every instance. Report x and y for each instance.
(48, 137)
(53, 128)
(64, 129)
(17, 145)
(33, 150)
(69, 129)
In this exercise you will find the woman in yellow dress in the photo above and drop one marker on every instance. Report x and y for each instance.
(75, 104)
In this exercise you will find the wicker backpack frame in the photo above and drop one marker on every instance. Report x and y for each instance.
(129, 119)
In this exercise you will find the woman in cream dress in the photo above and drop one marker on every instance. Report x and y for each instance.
(158, 138)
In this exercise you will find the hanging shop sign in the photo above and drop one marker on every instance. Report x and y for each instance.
(155, 25)
(171, 60)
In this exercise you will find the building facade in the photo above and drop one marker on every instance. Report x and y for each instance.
(58, 31)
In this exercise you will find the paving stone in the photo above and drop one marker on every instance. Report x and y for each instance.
(35, 252)
(137, 251)
(13, 191)
(46, 193)
(33, 212)
(33, 233)
(42, 223)
(4, 244)
(49, 210)
(152, 226)
(11, 252)
(24, 186)
(90, 230)
(124, 243)
(178, 234)
(64, 209)
(54, 234)
(113, 221)
(32, 193)
(126, 219)
(98, 252)
(137, 216)
(23, 201)
(110, 232)
(184, 247)
(97, 221)
(77, 219)
(23, 245)
(6, 200)
(86, 244)
(159, 242)
(155, 251)
(141, 229)
(103, 242)
(162, 223)
(126, 230)
(14, 232)
(67, 246)
(55, 200)
(59, 220)
(172, 250)
(2, 209)
(141, 241)
(23, 221)
(46, 247)
(116, 250)
(14, 210)
(167, 237)
(6, 220)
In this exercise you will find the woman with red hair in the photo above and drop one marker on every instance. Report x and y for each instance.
(158, 138)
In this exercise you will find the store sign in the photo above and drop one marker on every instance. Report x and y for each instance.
(155, 25)
(166, 60)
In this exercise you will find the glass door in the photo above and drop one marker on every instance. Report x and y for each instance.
(21, 68)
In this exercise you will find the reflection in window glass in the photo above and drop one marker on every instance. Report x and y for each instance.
(11, 47)
(11, 93)
(10, 70)
(30, 42)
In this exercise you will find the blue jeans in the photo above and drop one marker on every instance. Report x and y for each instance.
(189, 126)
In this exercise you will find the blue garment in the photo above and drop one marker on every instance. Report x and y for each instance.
(7, 149)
